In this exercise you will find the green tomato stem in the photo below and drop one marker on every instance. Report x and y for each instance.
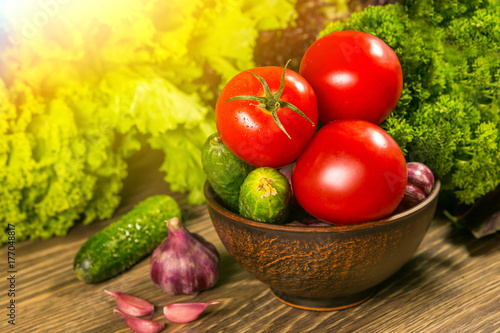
(272, 102)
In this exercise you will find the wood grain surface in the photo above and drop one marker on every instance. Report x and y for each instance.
(452, 284)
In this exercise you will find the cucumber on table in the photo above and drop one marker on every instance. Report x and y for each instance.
(265, 196)
(124, 242)
(225, 171)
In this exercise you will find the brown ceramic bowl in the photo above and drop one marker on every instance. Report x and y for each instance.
(322, 268)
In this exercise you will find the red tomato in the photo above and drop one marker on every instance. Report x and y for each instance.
(355, 75)
(251, 128)
(351, 172)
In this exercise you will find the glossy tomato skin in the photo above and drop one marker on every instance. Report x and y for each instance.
(251, 133)
(351, 172)
(355, 75)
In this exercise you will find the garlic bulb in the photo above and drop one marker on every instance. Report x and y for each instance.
(184, 263)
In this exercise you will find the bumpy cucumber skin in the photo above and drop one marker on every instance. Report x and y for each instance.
(225, 171)
(271, 209)
(124, 242)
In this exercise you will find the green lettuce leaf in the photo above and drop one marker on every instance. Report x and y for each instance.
(81, 93)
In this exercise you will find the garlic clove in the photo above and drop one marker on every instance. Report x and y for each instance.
(420, 176)
(314, 222)
(184, 312)
(131, 305)
(142, 325)
(413, 196)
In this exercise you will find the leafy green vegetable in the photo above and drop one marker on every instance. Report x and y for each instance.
(85, 84)
(448, 116)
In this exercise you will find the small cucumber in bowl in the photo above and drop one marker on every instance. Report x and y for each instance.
(225, 171)
(265, 196)
(124, 242)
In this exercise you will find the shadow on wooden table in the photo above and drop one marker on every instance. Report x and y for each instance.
(475, 247)
(444, 269)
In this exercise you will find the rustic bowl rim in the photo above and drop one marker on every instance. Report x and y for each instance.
(210, 197)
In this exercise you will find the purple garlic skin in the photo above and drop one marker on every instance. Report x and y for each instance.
(185, 312)
(419, 185)
(287, 172)
(309, 222)
(420, 176)
(488, 227)
(141, 325)
(184, 263)
(131, 305)
(413, 196)
(314, 222)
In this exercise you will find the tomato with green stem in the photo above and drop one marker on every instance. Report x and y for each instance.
(267, 115)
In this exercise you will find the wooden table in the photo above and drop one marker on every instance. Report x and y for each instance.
(451, 285)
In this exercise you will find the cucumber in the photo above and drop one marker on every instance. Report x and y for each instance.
(225, 171)
(124, 242)
(265, 196)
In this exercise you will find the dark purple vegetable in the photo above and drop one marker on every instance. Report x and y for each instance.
(131, 305)
(314, 222)
(185, 312)
(419, 185)
(287, 172)
(413, 196)
(482, 218)
(420, 176)
(184, 263)
(141, 325)
(488, 226)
